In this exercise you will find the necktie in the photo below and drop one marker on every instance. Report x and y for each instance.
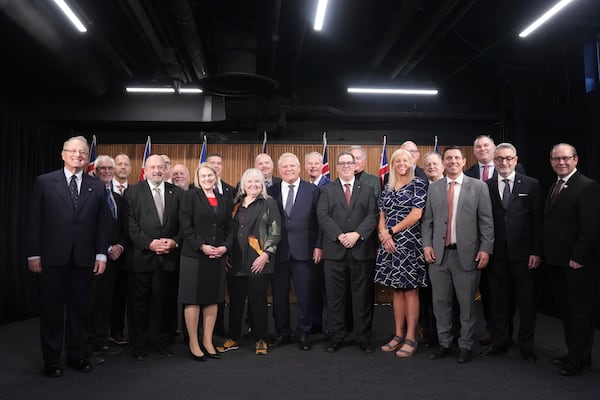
(505, 193)
(450, 216)
(485, 175)
(289, 202)
(160, 205)
(268, 183)
(348, 193)
(557, 188)
(121, 189)
(111, 204)
(74, 191)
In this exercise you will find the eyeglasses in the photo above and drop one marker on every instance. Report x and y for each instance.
(81, 152)
(563, 159)
(502, 159)
(345, 163)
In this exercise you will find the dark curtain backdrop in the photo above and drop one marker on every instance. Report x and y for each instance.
(28, 149)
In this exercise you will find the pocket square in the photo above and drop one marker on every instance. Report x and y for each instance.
(523, 194)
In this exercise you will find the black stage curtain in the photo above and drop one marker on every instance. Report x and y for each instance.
(28, 149)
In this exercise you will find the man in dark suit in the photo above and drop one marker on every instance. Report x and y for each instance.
(458, 238)
(313, 164)
(517, 209)
(216, 161)
(347, 212)
(360, 160)
(297, 252)
(484, 169)
(120, 183)
(67, 239)
(264, 163)
(411, 147)
(103, 286)
(571, 233)
(153, 224)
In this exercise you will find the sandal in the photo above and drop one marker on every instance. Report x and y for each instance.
(393, 347)
(402, 353)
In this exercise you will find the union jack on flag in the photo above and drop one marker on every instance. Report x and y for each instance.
(91, 168)
(146, 155)
(384, 168)
(203, 152)
(325, 167)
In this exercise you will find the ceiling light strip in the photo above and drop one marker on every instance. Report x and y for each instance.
(71, 15)
(150, 90)
(320, 15)
(545, 17)
(421, 92)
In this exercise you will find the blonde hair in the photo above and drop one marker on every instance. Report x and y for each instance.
(411, 173)
(251, 173)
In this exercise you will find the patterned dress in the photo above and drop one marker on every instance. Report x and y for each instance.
(405, 268)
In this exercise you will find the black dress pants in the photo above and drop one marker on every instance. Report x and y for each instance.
(254, 288)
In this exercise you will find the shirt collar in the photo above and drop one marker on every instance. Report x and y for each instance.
(566, 178)
(510, 177)
(161, 186)
(68, 174)
(458, 180)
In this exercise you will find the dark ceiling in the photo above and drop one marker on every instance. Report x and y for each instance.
(468, 49)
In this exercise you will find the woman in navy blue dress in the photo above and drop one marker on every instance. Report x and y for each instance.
(400, 263)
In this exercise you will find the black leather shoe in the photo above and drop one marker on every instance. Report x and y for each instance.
(281, 341)
(494, 351)
(441, 352)
(464, 356)
(332, 346)
(486, 339)
(367, 347)
(165, 351)
(304, 343)
(53, 371)
(560, 361)
(529, 355)
(81, 365)
(139, 356)
(572, 368)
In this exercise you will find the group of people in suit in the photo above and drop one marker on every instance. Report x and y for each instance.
(422, 231)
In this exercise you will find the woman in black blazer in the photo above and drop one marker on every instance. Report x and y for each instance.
(205, 219)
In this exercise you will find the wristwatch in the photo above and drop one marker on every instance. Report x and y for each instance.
(391, 231)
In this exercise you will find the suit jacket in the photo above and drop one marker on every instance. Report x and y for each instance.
(324, 181)
(571, 223)
(202, 224)
(474, 221)
(228, 191)
(373, 181)
(300, 230)
(421, 173)
(335, 218)
(518, 228)
(55, 230)
(144, 226)
(474, 171)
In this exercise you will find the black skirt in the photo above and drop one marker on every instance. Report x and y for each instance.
(201, 281)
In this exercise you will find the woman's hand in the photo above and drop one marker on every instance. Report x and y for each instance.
(259, 264)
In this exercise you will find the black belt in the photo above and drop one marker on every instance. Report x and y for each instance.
(451, 246)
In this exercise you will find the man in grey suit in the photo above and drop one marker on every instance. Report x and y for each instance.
(458, 238)
(360, 162)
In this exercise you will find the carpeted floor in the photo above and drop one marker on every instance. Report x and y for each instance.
(288, 373)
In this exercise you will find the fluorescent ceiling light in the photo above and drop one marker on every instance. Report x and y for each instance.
(547, 15)
(150, 90)
(320, 16)
(426, 92)
(71, 15)
(190, 90)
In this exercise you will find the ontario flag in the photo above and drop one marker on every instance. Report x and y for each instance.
(91, 169)
(325, 167)
(435, 145)
(264, 146)
(203, 152)
(384, 168)
(144, 158)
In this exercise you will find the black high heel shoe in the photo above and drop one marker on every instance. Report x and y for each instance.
(215, 356)
(195, 357)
